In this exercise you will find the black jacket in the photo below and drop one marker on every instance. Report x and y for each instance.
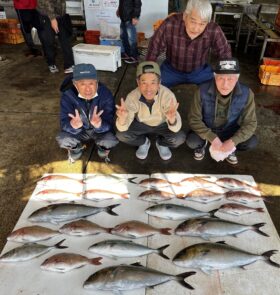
(129, 9)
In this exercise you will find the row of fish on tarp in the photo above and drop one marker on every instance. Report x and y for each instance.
(205, 256)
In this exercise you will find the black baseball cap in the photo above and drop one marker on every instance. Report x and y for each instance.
(227, 66)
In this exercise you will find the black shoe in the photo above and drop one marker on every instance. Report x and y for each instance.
(232, 159)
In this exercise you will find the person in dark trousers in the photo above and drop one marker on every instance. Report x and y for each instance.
(187, 39)
(29, 18)
(54, 21)
(223, 113)
(87, 112)
(129, 12)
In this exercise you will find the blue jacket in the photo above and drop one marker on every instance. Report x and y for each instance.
(104, 101)
(209, 103)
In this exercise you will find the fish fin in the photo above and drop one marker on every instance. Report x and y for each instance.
(165, 231)
(260, 209)
(125, 196)
(58, 245)
(136, 264)
(257, 229)
(95, 261)
(221, 242)
(131, 180)
(213, 212)
(160, 251)
(181, 279)
(110, 211)
(267, 256)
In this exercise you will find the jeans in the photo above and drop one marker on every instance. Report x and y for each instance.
(171, 77)
(64, 37)
(28, 19)
(196, 142)
(129, 38)
(137, 133)
(68, 141)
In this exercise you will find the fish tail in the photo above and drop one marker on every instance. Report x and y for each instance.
(260, 209)
(160, 251)
(213, 212)
(257, 229)
(181, 279)
(125, 196)
(108, 229)
(59, 246)
(95, 261)
(131, 180)
(110, 211)
(267, 256)
(165, 231)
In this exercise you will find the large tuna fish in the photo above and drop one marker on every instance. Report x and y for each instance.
(122, 248)
(214, 227)
(216, 256)
(63, 212)
(176, 212)
(64, 262)
(29, 251)
(129, 277)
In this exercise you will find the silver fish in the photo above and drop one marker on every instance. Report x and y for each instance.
(28, 252)
(216, 256)
(129, 277)
(233, 183)
(31, 234)
(64, 262)
(204, 196)
(136, 229)
(238, 209)
(214, 227)
(123, 248)
(63, 212)
(82, 227)
(242, 197)
(100, 195)
(176, 212)
(156, 196)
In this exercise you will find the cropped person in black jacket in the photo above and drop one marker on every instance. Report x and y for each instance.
(129, 12)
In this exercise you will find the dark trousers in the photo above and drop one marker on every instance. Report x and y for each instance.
(64, 37)
(29, 18)
(137, 133)
(129, 38)
(195, 142)
(69, 141)
(171, 77)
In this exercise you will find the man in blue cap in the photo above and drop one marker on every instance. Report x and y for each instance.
(87, 112)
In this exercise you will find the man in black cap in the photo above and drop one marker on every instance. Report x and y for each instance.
(223, 114)
(87, 112)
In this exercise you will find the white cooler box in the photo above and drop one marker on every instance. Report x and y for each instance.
(104, 58)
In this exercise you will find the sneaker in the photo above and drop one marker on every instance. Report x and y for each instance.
(53, 69)
(131, 60)
(69, 70)
(232, 159)
(200, 152)
(143, 150)
(75, 154)
(102, 152)
(164, 152)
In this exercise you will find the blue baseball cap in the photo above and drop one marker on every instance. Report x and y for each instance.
(84, 71)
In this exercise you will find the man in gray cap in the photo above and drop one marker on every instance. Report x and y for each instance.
(150, 109)
(87, 112)
(223, 113)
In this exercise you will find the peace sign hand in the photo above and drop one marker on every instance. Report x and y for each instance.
(171, 113)
(122, 112)
(96, 119)
(76, 121)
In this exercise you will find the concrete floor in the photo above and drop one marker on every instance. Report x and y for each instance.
(29, 116)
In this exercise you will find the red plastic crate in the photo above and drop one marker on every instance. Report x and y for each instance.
(92, 37)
